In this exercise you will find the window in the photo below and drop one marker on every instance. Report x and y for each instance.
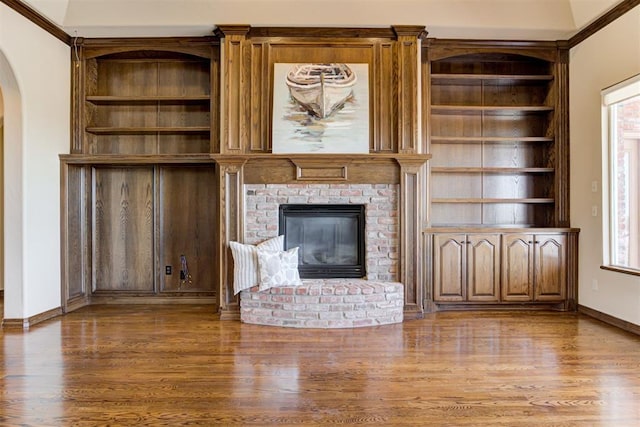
(622, 113)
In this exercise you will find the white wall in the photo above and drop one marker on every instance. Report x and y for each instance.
(606, 58)
(1, 191)
(35, 79)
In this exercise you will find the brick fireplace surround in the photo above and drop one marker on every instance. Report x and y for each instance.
(390, 186)
(335, 303)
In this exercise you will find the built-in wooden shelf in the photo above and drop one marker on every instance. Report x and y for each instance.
(440, 139)
(104, 130)
(135, 159)
(494, 79)
(490, 109)
(490, 170)
(541, 200)
(112, 99)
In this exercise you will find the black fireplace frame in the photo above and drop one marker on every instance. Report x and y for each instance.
(328, 271)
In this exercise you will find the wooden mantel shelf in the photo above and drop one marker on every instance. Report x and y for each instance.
(221, 158)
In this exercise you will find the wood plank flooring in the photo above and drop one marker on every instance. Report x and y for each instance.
(178, 365)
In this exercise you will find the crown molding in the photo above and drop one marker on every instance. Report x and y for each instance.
(35, 17)
(615, 13)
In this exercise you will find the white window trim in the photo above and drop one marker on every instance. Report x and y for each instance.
(614, 94)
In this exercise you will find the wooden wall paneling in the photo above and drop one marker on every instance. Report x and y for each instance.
(88, 74)
(231, 228)
(407, 62)
(215, 102)
(571, 302)
(187, 213)
(411, 250)
(384, 93)
(363, 169)
(74, 233)
(561, 188)
(233, 93)
(259, 100)
(123, 224)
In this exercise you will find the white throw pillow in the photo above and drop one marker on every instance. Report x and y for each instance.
(245, 262)
(278, 268)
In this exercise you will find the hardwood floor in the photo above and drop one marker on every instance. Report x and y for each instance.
(177, 365)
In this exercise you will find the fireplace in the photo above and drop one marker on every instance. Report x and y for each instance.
(330, 238)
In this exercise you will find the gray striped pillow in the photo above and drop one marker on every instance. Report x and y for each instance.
(245, 262)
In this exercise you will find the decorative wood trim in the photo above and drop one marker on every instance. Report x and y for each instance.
(24, 324)
(234, 67)
(619, 10)
(571, 302)
(620, 270)
(310, 170)
(198, 46)
(78, 70)
(610, 320)
(445, 48)
(408, 54)
(230, 176)
(35, 17)
(173, 300)
(562, 218)
(411, 251)
(322, 32)
(384, 94)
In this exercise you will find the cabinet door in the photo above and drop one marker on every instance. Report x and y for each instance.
(550, 267)
(123, 230)
(517, 267)
(483, 267)
(449, 267)
(187, 224)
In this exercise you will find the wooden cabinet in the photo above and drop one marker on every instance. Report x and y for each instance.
(466, 267)
(140, 184)
(497, 130)
(501, 268)
(534, 267)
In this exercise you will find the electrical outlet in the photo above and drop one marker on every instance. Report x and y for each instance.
(594, 284)
(594, 210)
(167, 270)
(594, 186)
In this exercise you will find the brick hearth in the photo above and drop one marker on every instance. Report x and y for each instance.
(325, 303)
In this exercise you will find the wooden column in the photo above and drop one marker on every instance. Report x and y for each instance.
(412, 208)
(562, 137)
(77, 95)
(233, 90)
(407, 67)
(230, 178)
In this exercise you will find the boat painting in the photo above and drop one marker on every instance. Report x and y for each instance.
(320, 108)
(321, 89)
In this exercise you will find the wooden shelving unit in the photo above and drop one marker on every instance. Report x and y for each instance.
(149, 102)
(492, 140)
(497, 194)
(140, 180)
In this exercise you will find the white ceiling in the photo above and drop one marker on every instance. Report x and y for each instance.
(492, 19)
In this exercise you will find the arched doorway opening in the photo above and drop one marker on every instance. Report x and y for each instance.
(12, 197)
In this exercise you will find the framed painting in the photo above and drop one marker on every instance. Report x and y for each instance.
(320, 108)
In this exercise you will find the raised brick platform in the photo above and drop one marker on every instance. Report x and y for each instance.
(325, 303)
